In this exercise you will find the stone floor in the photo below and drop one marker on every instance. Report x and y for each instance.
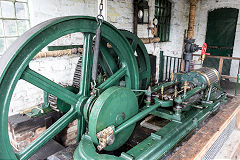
(229, 87)
(47, 150)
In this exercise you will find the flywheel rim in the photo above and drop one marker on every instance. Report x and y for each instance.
(144, 61)
(14, 63)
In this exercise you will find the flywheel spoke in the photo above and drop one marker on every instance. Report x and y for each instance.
(113, 79)
(143, 75)
(134, 45)
(86, 65)
(52, 131)
(49, 86)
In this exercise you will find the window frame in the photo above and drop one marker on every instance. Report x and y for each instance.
(164, 19)
(15, 20)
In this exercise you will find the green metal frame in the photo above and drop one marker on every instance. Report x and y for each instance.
(236, 86)
(183, 119)
(14, 66)
(114, 106)
(54, 48)
(160, 142)
(168, 65)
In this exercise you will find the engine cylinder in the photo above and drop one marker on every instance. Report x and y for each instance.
(199, 77)
(210, 74)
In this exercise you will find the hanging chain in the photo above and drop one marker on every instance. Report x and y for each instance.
(99, 20)
(100, 17)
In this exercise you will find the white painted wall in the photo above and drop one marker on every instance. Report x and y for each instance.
(120, 14)
(60, 69)
(42, 10)
(178, 24)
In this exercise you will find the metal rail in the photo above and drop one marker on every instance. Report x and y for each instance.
(220, 67)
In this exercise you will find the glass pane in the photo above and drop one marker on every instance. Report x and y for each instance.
(7, 9)
(23, 26)
(1, 29)
(2, 46)
(21, 10)
(145, 18)
(0, 11)
(9, 41)
(10, 27)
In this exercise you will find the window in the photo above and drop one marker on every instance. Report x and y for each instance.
(14, 21)
(163, 15)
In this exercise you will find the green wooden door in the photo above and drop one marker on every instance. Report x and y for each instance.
(221, 28)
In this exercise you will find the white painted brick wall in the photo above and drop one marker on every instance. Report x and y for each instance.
(58, 69)
(179, 23)
(120, 14)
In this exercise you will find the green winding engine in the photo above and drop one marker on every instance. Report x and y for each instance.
(108, 109)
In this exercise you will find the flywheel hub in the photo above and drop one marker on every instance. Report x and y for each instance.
(113, 107)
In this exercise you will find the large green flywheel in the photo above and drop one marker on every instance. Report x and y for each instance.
(14, 66)
(143, 60)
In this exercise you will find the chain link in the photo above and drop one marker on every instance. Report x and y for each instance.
(100, 17)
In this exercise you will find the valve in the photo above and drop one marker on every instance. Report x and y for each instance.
(189, 49)
(148, 96)
(203, 55)
(185, 87)
(105, 137)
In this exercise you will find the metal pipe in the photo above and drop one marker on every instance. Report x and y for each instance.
(161, 67)
(135, 18)
(174, 65)
(166, 67)
(170, 67)
(187, 63)
(58, 53)
(192, 15)
(150, 40)
(138, 116)
(165, 85)
(189, 94)
(209, 93)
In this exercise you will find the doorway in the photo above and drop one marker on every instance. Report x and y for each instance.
(220, 36)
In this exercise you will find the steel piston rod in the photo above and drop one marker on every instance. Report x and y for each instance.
(149, 109)
(138, 116)
(189, 94)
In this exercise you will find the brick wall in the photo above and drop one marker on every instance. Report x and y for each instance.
(69, 134)
(23, 130)
(20, 140)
